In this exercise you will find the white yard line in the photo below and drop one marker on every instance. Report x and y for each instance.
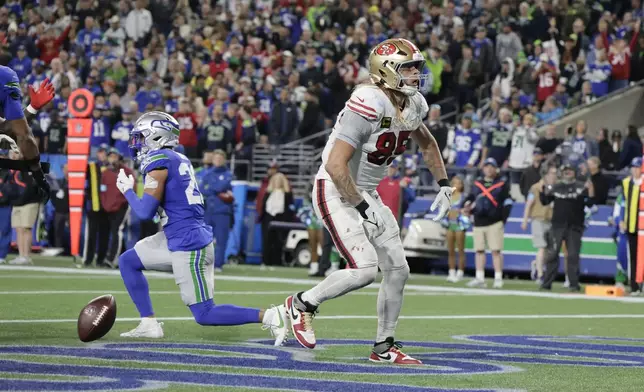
(300, 282)
(217, 292)
(358, 317)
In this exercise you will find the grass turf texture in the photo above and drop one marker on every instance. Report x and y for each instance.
(509, 367)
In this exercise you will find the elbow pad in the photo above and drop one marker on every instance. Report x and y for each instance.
(144, 208)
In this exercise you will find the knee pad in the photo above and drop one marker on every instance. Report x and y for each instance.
(200, 311)
(129, 260)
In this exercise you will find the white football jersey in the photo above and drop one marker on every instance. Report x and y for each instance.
(388, 138)
(524, 140)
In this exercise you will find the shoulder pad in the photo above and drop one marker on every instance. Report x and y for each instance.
(367, 102)
(154, 160)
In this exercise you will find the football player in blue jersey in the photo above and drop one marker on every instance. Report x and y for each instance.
(16, 123)
(185, 245)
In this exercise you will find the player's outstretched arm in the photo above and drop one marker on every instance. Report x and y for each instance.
(146, 207)
(338, 168)
(431, 154)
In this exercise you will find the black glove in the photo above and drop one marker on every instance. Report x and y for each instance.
(43, 186)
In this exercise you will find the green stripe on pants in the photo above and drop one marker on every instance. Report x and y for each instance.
(193, 272)
(202, 269)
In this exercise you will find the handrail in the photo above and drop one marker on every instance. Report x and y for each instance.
(307, 138)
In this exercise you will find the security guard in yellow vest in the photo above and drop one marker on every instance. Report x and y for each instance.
(96, 223)
(629, 225)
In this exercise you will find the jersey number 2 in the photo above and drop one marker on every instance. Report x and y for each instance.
(388, 147)
(193, 198)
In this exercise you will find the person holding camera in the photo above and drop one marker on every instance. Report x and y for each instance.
(570, 198)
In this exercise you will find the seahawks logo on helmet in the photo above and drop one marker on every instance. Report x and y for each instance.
(165, 125)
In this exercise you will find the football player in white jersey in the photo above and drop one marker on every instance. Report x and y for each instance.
(370, 132)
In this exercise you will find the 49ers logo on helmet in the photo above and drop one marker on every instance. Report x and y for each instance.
(386, 49)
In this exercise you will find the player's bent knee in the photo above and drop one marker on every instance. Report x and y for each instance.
(364, 276)
(129, 260)
(200, 312)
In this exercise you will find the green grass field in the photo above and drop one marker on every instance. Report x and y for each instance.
(470, 340)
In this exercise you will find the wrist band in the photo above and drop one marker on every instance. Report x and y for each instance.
(31, 109)
(362, 207)
(443, 182)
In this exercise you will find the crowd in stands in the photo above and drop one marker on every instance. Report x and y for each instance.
(239, 73)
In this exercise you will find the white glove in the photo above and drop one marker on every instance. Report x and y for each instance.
(443, 201)
(371, 220)
(124, 182)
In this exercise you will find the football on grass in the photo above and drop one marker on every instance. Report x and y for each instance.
(96, 318)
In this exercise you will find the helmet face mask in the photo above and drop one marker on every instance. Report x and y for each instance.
(397, 64)
(153, 131)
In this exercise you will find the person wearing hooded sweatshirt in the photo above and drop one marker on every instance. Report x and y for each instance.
(505, 79)
(508, 44)
(599, 73)
(217, 189)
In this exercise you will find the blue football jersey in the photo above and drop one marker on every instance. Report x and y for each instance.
(182, 207)
(10, 95)
(121, 136)
(499, 139)
(100, 132)
(467, 143)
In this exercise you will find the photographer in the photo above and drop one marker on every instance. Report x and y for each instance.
(570, 198)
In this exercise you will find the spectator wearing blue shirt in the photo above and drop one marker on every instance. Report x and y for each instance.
(100, 136)
(148, 95)
(121, 133)
(598, 73)
(550, 111)
(37, 74)
(86, 36)
(22, 63)
(217, 188)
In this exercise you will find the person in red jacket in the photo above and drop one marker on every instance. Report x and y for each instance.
(50, 45)
(188, 125)
(115, 204)
(619, 55)
(395, 191)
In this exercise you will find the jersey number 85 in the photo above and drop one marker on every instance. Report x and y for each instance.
(388, 147)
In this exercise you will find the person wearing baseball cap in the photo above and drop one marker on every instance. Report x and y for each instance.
(629, 223)
(571, 197)
(489, 203)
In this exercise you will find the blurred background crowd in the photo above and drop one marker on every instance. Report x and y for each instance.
(239, 74)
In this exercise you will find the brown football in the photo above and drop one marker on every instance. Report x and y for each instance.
(97, 318)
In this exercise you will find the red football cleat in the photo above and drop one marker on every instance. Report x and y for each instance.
(394, 356)
(301, 324)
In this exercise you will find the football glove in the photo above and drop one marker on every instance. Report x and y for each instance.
(41, 97)
(124, 182)
(443, 202)
(371, 220)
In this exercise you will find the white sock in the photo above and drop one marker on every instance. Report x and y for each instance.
(480, 274)
(459, 273)
(268, 316)
(567, 280)
(498, 276)
(451, 272)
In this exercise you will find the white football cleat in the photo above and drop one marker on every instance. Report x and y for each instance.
(393, 355)
(301, 324)
(480, 283)
(314, 268)
(452, 278)
(276, 321)
(147, 328)
(3, 261)
(498, 284)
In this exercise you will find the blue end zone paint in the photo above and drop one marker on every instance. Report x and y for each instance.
(486, 354)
